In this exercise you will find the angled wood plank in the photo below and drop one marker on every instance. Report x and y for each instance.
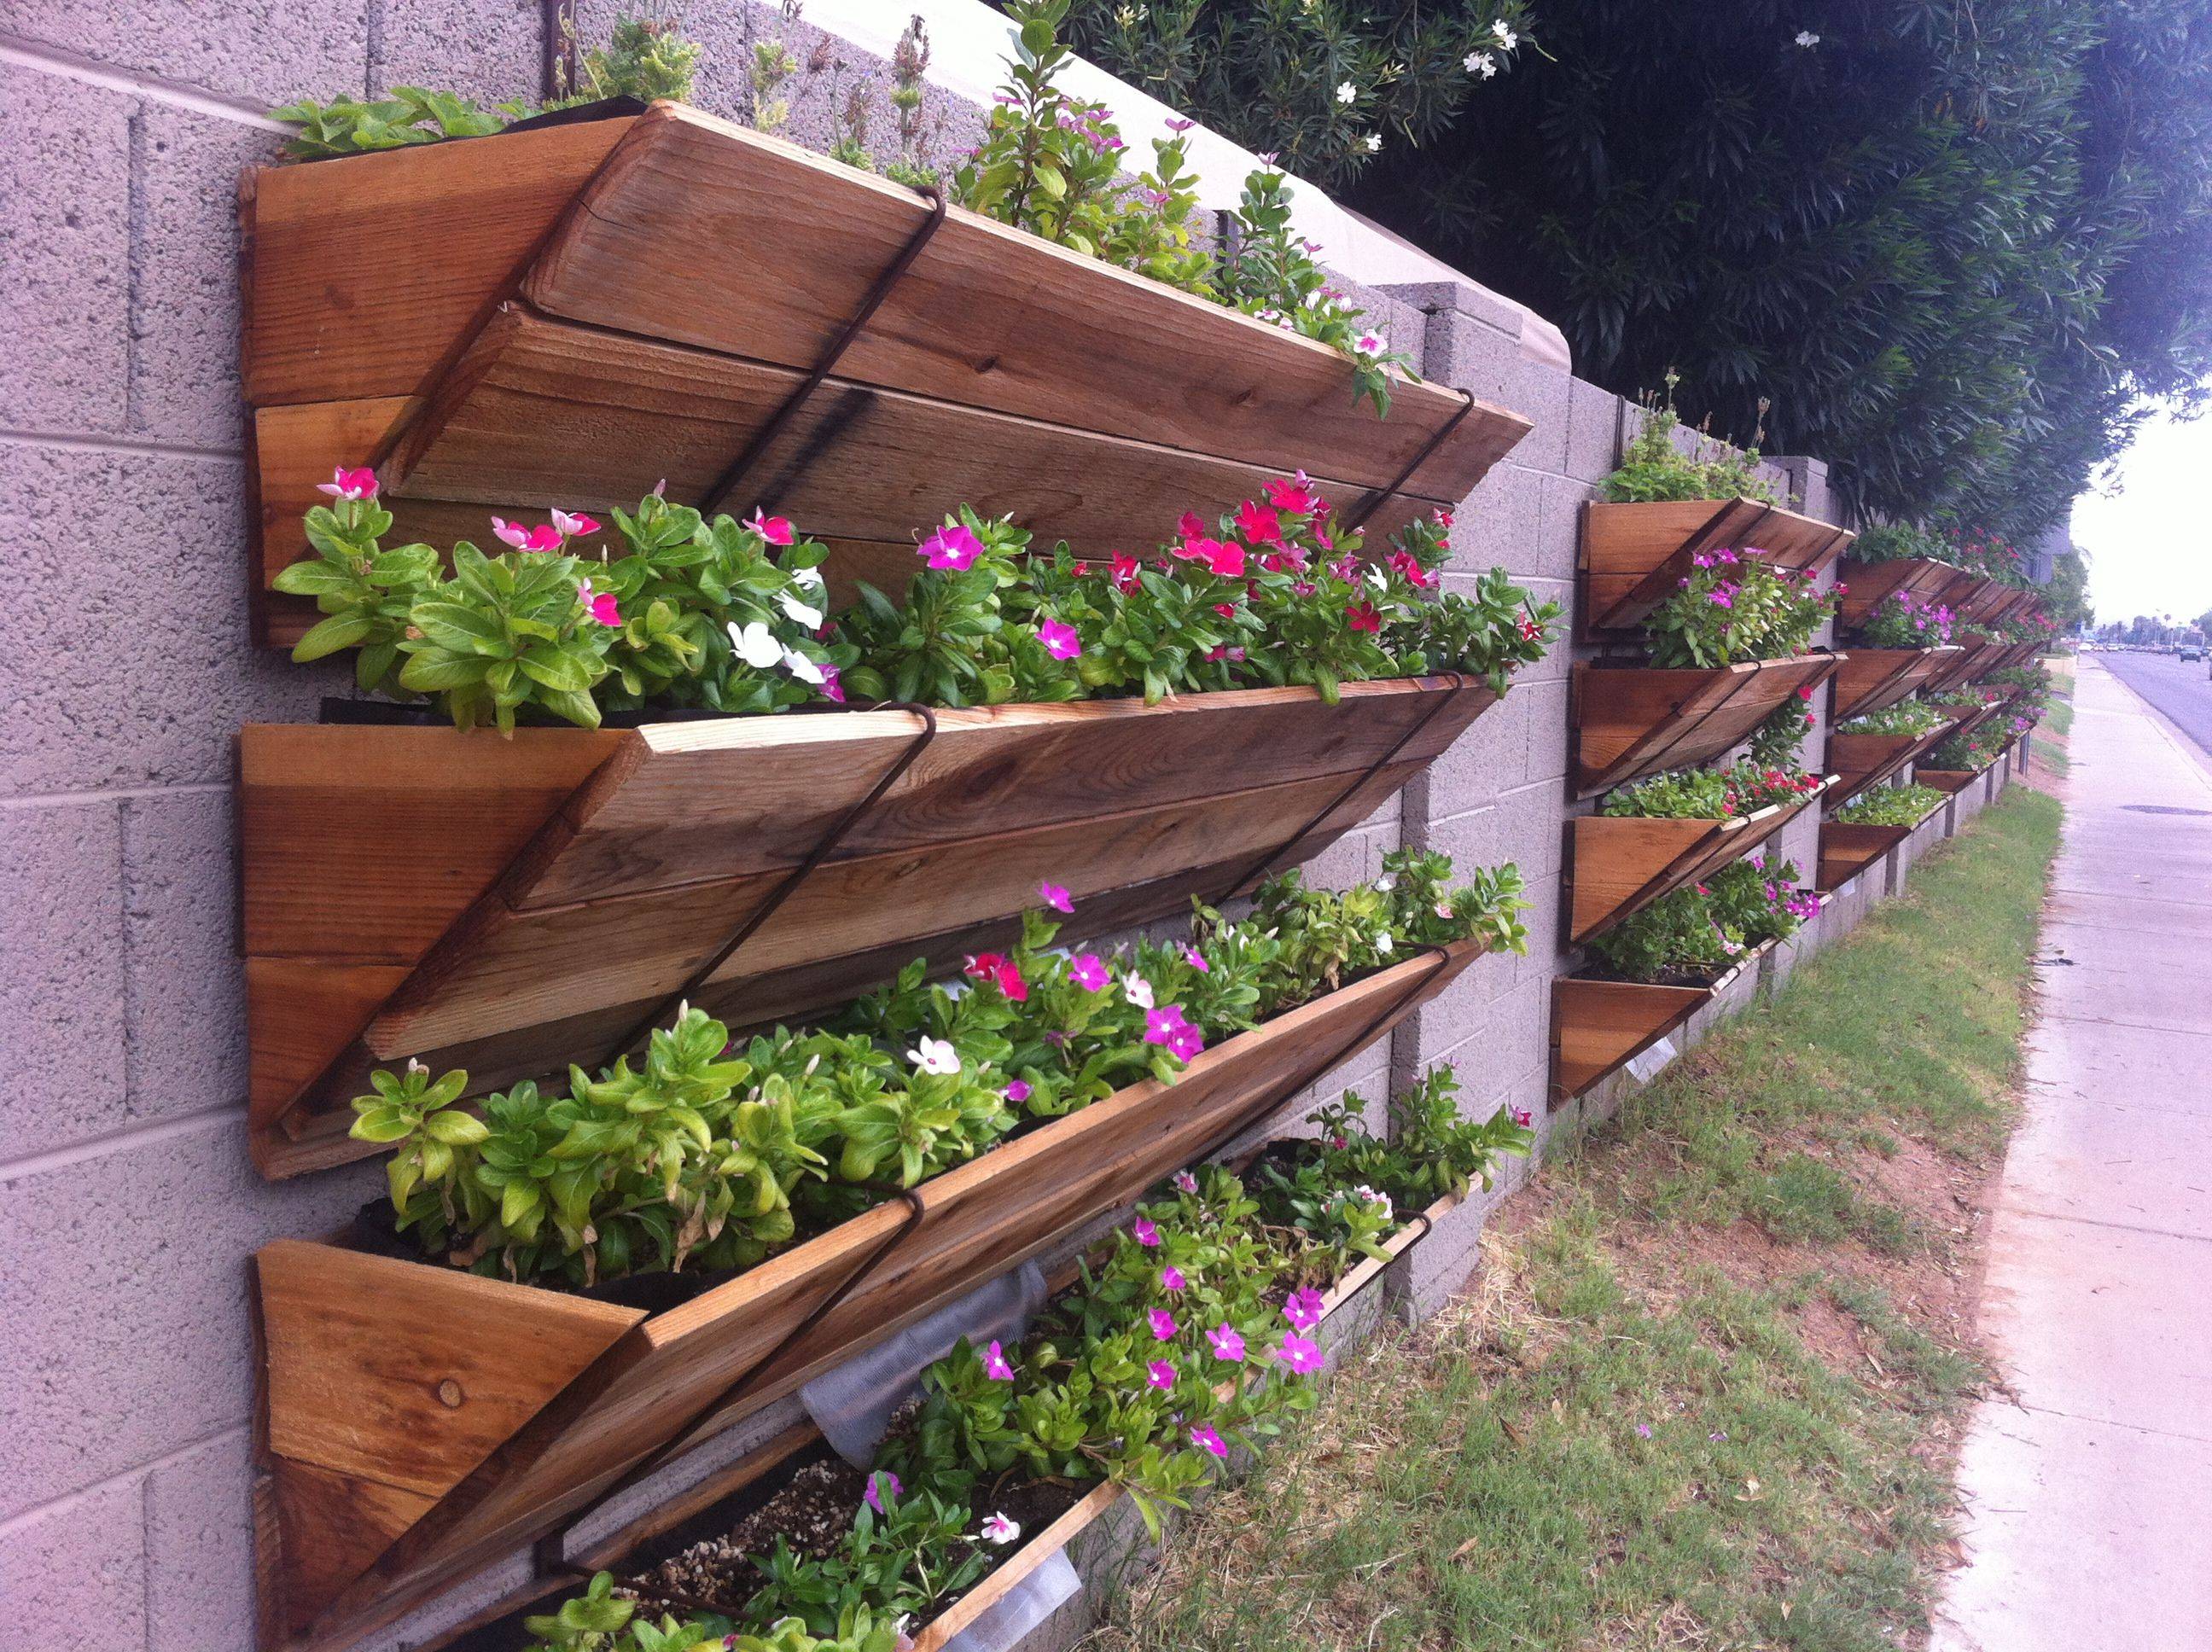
(1869, 583)
(1632, 556)
(1617, 866)
(1598, 1027)
(1873, 679)
(1861, 761)
(1632, 722)
(1847, 850)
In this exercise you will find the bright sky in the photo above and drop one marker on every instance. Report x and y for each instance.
(2149, 540)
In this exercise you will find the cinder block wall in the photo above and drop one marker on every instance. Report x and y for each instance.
(127, 1206)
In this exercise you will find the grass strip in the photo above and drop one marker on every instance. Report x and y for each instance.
(1706, 1390)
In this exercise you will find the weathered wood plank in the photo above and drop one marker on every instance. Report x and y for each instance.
(1599, 1026)
(1634, 721)
(1632, 556)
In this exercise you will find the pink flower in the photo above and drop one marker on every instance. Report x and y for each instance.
(1137, 990)
(1189, 527)
(1195, 548)
(1206, 1439)
(574, 528)
(1370, 344)
(1304, 1309)
(1227, 562)
(1124, 569)
(1406, 563)
(1529, 629)
(544, 537)
(1019, 1091)
(1059, 639)
(350, 485)
(995, 1366)
(1002, 973)
(1299, 1354)
(1088, 971)
(1160, 1374)
(1293, 496)
(1177, 124)
(1171, 1278)
(1226, 1343)
(1258, 524)
(1362, 616)
(600, 605)
(1147, 1234)
(776, 530)
(1184, 1182)
(1055, 897)
(955, 548)
(1187, 1043)
(1522, 1116)
(1163, 1324)
(1723, 599)
(874, 1498)
(831, 684)
(1196, 960)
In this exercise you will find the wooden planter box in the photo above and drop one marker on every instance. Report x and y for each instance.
(1978, 655)
(1947, 780)
(1633, 555)
(2005, 656)
(1859, 761)
(569, 315)
(508, 906)
(1873, 679)
(419, 1422)
(1615, 867)
(1867, 585)
(1598, 1027)
(1846, 851)
(1631, 722)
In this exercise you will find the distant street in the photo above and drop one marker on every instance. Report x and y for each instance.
(2180, 689)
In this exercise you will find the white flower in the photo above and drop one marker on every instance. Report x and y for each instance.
(997, 1528)
(807, 615)
(809, 576)
(1383, 943)
(1371, 142)
(1346, 93)
(1806, 38)
(1367, 1195)
(1368, 343)
(1387, 882)
(935, 1055)
(1481, 63)
(1378, 578)
(1444, 909)
(1507, 39)
(802, 668)
(755, 644)
(1137, 990)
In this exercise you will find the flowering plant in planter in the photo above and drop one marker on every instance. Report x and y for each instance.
(1744, 789)
(2032, 626)
(1912, 717)
(1898, 541)
(1705, 927)
(1781, 734)
(1983, 553)
(1902, 620)
(1891, 805)
(1734, 606)
(1655, 468)
(1975, 750)
(717, 1154)
(733, 617)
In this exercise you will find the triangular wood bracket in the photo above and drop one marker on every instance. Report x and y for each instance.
(1634, 720)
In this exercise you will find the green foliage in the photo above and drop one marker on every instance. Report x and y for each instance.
(1656, 466)
(1274, 74)
(909, 1557)
(1891, 805)
(1906, 717)
(645, 57)
(1901, 620)
(1959, 249)
(711, 1155)
(1974, 751)
(1705, 927)
(1744, 789)
(1781, 734)
(1734, 606)
(1898, 541)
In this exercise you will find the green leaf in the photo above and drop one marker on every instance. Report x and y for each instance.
(338, 631)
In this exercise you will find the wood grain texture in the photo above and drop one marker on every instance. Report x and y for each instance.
(1632, 722)
(1598, 1027)
(1847, 850)
(669, 1378)
(1633, 555)
(1617, 865)
(1947, 780)
(1861, 761)
(540, 412)
(1869, 583)
(560, 917)
(1871, 679)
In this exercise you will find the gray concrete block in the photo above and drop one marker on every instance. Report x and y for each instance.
(1496, 525)
(65, 241)
(489, 49)
(125, 1277)
(199, 1547)
(1460, 299)
(183, 321)
(1545, 758)
(1556, 545)
(1594, 424)
(1490, 757)
(62, 1070)
(251, 52)
(184, 984)
(138, 682)
(76, 1573)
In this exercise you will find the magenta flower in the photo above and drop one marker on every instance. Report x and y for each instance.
(1299, 1354)
(874, 1498)
(1019, 1091)
(1292, 495)
(574, 528)
(1163, 1325)
(776, 530)
(544, 537)
(1643, 1431)
(1184, 1182)
(831, 686)
(1258, 525)
(1304, 1309)
(995, 1366)
(1723, 599)
(1171, 1278)
(600, 604)
(1160, 1374)
(955, 548)
(1206, 1439)
(1124, 569)
(1177, 124)
(1187, 1043)
(1226, 1343)
(1147, 1234)
(1362, 617)
(1088, 971)
(1059, 639)
(1522, 1116)
(1196, 960)
(1162, 1024)
(1227, 562)
(1055, 896)
(350, 484)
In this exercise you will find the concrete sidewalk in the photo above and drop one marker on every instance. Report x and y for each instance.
(2088, 1504)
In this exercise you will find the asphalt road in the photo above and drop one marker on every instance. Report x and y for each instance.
(2183, 690)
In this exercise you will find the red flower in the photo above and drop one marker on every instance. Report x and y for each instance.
(1258, 524)
(1123, 568)
(1190, 527)
(1363, 618)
